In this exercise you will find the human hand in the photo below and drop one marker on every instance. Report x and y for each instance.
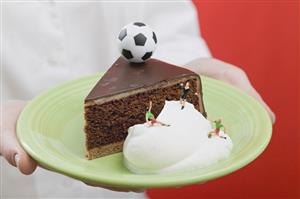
(228, 73)
(10, 148)
(12, 151)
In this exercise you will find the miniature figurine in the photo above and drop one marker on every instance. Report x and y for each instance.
(216, 131)
(150, 119)
(185, 91)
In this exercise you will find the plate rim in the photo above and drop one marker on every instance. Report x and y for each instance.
(133, 184)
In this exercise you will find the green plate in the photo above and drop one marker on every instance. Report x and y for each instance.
(50, 128)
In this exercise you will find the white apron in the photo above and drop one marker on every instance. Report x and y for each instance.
(48, 42)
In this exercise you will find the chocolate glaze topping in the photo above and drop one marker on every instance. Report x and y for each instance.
(124, 76)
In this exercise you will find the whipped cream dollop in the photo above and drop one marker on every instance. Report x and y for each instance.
(184, 145)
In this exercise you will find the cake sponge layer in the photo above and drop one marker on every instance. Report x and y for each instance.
(107, 120)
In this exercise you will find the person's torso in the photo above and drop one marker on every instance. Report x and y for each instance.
(47, 43)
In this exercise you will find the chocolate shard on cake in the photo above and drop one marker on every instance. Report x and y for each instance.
(121, 97)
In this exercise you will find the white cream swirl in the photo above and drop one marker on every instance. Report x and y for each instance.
(182, 146)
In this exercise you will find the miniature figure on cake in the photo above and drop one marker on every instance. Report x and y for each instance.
(150, 119)
(216, 131)
(185, 91)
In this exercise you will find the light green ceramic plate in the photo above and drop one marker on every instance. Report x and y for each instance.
(51, 130)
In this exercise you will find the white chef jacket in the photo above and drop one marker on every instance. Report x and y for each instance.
(46, 43)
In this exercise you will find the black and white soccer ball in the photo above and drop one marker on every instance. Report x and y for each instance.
(137, 42)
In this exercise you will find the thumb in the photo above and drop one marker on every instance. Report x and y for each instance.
(16, 156)
(24, 162)
(10, 147)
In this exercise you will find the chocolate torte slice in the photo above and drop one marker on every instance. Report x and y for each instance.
(121, 97)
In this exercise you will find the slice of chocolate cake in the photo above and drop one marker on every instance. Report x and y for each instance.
(121, 97)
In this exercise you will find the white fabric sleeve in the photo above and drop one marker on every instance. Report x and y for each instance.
(178, 33)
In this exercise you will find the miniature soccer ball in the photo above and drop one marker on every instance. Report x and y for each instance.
(137, 42)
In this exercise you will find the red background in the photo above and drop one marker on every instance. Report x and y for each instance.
(262, 37)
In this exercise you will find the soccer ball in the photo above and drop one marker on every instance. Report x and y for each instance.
(137, 42)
